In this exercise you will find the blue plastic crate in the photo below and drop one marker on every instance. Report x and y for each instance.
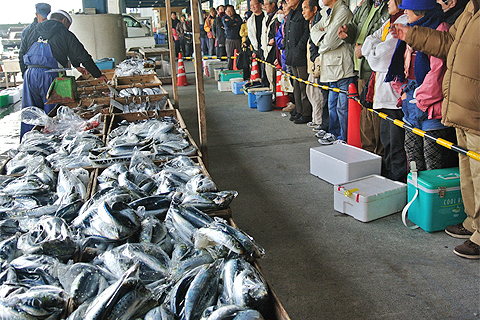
(105, 63)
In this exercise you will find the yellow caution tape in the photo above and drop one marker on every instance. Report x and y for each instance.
(350, 192)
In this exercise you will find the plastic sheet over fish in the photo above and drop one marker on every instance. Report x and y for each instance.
(135, 91)
(153, 263)
(243, 285)
(51, 236)
(82, 281)
(223, 239)
(66, 143)
(134, 66)
(158, 138)
(144, 106)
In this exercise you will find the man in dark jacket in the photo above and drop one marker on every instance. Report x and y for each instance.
(219, 32)
(51, 46)
(41, 13)
(295, 46)
(232, 23)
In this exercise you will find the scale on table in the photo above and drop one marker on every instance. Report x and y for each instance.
(63, 89)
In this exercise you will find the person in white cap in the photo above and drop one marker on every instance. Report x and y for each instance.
(51, 46)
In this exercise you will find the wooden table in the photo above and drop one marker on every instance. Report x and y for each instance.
(154, 52)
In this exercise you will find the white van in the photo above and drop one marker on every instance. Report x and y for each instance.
(137, 34)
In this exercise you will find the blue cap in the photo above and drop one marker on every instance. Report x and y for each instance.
(42, 9)
(420, 5)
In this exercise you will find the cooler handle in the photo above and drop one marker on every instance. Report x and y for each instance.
(449, 176)
(413, 170)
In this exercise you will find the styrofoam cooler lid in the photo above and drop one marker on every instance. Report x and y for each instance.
(253, 90)
(371, 188)
(347, 153)
(236, 80)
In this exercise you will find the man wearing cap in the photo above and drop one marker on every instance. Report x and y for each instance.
(41, 13)
(51, 46)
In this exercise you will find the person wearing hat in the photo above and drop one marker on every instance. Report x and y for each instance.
(50, 46)
(421, 76)
(460, 109)
(41, 13)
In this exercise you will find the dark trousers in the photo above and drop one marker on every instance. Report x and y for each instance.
(211, 46)
(325, 118)
(230, 46)
(221, 51)
(302, 104)
(393, 141)
(204, 41)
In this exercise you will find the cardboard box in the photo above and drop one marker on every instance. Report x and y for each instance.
(224, 86)
(370, 197)
(340, 163)
(439, 203)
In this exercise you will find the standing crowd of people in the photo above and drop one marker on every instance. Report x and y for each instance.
(415, 60)
(406, 77)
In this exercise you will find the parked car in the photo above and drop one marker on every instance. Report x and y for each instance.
(137, 34)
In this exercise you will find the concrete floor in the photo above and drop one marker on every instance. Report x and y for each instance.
(323, 264)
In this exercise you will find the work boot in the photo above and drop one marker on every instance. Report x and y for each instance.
(458, 231)
(468, 250)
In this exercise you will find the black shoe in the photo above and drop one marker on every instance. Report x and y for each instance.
(295, 116)
(303, 120)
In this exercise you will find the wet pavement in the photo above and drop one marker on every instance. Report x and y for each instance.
(10, 130)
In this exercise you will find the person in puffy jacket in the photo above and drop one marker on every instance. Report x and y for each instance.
(460, 109)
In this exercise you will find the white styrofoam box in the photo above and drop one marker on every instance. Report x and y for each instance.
(339, 163)
(217, 73)
(370, 197)
(14, 94)
(232, 81)
(224, 86)
(216, 64)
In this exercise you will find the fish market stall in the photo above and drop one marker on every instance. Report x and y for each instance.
(111, 214)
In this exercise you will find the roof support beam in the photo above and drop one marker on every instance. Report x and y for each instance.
(197, 49)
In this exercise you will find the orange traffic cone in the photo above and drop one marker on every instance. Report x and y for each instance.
(354, 110)
(281, 97)
(181, 76)
(235, 59)
(255, 74)
(205, 68)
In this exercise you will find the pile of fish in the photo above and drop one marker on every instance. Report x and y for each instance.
(159, 138)
(147, 105)
(131, 67)
(139, 248)
(136, 91)
(66, 144)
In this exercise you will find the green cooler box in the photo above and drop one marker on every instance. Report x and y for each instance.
(226, 75)
(439, 202)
